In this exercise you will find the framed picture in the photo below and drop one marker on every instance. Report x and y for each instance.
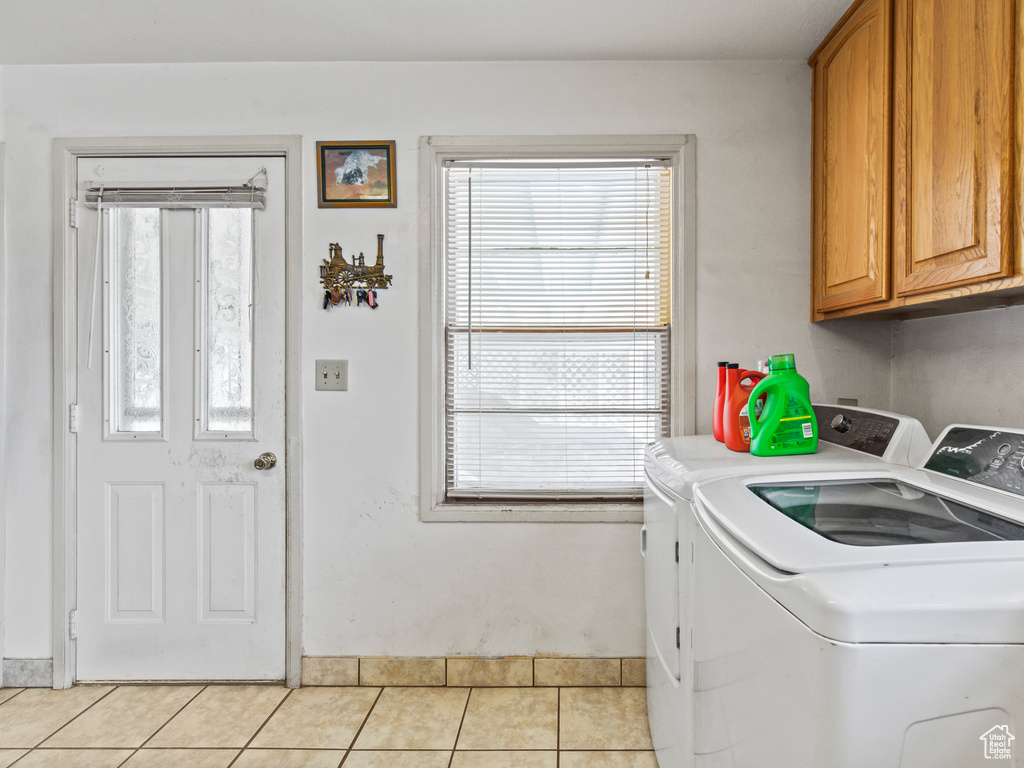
(355, 174)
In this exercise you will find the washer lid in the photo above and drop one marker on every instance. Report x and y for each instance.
(902, 556)
(822, 521)
(883, 513)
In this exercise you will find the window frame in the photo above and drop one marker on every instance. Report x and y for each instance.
(435, 151)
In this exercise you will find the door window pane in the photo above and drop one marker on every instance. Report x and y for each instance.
(228, 306)
(136, 349)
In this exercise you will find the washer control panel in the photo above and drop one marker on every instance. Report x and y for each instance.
(986, 456)
(863, 431)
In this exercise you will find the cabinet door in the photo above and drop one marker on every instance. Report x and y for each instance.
(952, 143)
(851, 170)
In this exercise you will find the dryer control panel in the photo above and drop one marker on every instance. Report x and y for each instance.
(860, 430)
(991, 457)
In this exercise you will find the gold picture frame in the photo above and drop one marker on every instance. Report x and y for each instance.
(356, 174)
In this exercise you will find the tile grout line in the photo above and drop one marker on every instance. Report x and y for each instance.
(47, 738)
(558, 730)
(69, 722)
(465, 709)
(12, 698)
(288, 693)
(135, 751)
(180, 710)
(362, 725)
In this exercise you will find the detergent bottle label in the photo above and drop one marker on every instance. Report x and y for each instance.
(795, 426)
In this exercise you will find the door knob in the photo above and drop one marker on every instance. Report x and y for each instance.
(265, 461)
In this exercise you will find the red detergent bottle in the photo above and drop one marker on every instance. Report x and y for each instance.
(716, 418)
(735, 419)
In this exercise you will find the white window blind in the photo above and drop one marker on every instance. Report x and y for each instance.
(557, 324)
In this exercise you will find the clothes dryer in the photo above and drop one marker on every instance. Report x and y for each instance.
(872, 616)
(849, 437)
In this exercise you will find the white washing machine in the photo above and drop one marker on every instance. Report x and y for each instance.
(866, 616)
(848, 437)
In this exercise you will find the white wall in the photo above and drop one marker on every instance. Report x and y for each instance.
(377, 581)
(3, 326)
(966, 369)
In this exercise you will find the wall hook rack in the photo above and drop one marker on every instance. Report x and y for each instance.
(340, 278)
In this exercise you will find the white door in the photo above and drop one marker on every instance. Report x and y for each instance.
(181, 539)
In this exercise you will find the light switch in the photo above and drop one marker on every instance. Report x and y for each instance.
(332, 375)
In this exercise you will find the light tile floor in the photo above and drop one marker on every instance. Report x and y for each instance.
(251, 726)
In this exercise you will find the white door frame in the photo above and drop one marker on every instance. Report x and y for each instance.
(66, 153)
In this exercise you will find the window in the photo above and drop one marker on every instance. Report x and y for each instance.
(137, 346)
(139, 235)
(224, 348)
(552, 311)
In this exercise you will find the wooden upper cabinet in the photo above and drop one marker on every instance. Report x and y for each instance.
(851, 161)
(953, 186)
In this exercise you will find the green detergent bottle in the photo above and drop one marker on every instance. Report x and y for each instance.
(787, 424)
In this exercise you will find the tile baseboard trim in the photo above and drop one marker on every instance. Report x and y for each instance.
(472, 671)
(27, 673)
(450, 671)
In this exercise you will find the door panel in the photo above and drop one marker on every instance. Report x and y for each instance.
(851, 165)
(135, 547)
(228, 531)
(661, 577)
(953, 193)
(180, 538)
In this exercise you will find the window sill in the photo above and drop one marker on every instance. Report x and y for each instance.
(482, 512)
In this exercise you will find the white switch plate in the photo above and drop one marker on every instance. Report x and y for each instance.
(332, 375)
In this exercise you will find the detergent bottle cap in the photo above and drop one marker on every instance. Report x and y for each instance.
(782, 363)
(732, 365)
(722, 365)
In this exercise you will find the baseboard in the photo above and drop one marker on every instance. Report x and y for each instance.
(28, 673)
(451, 671)
(471, 671)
